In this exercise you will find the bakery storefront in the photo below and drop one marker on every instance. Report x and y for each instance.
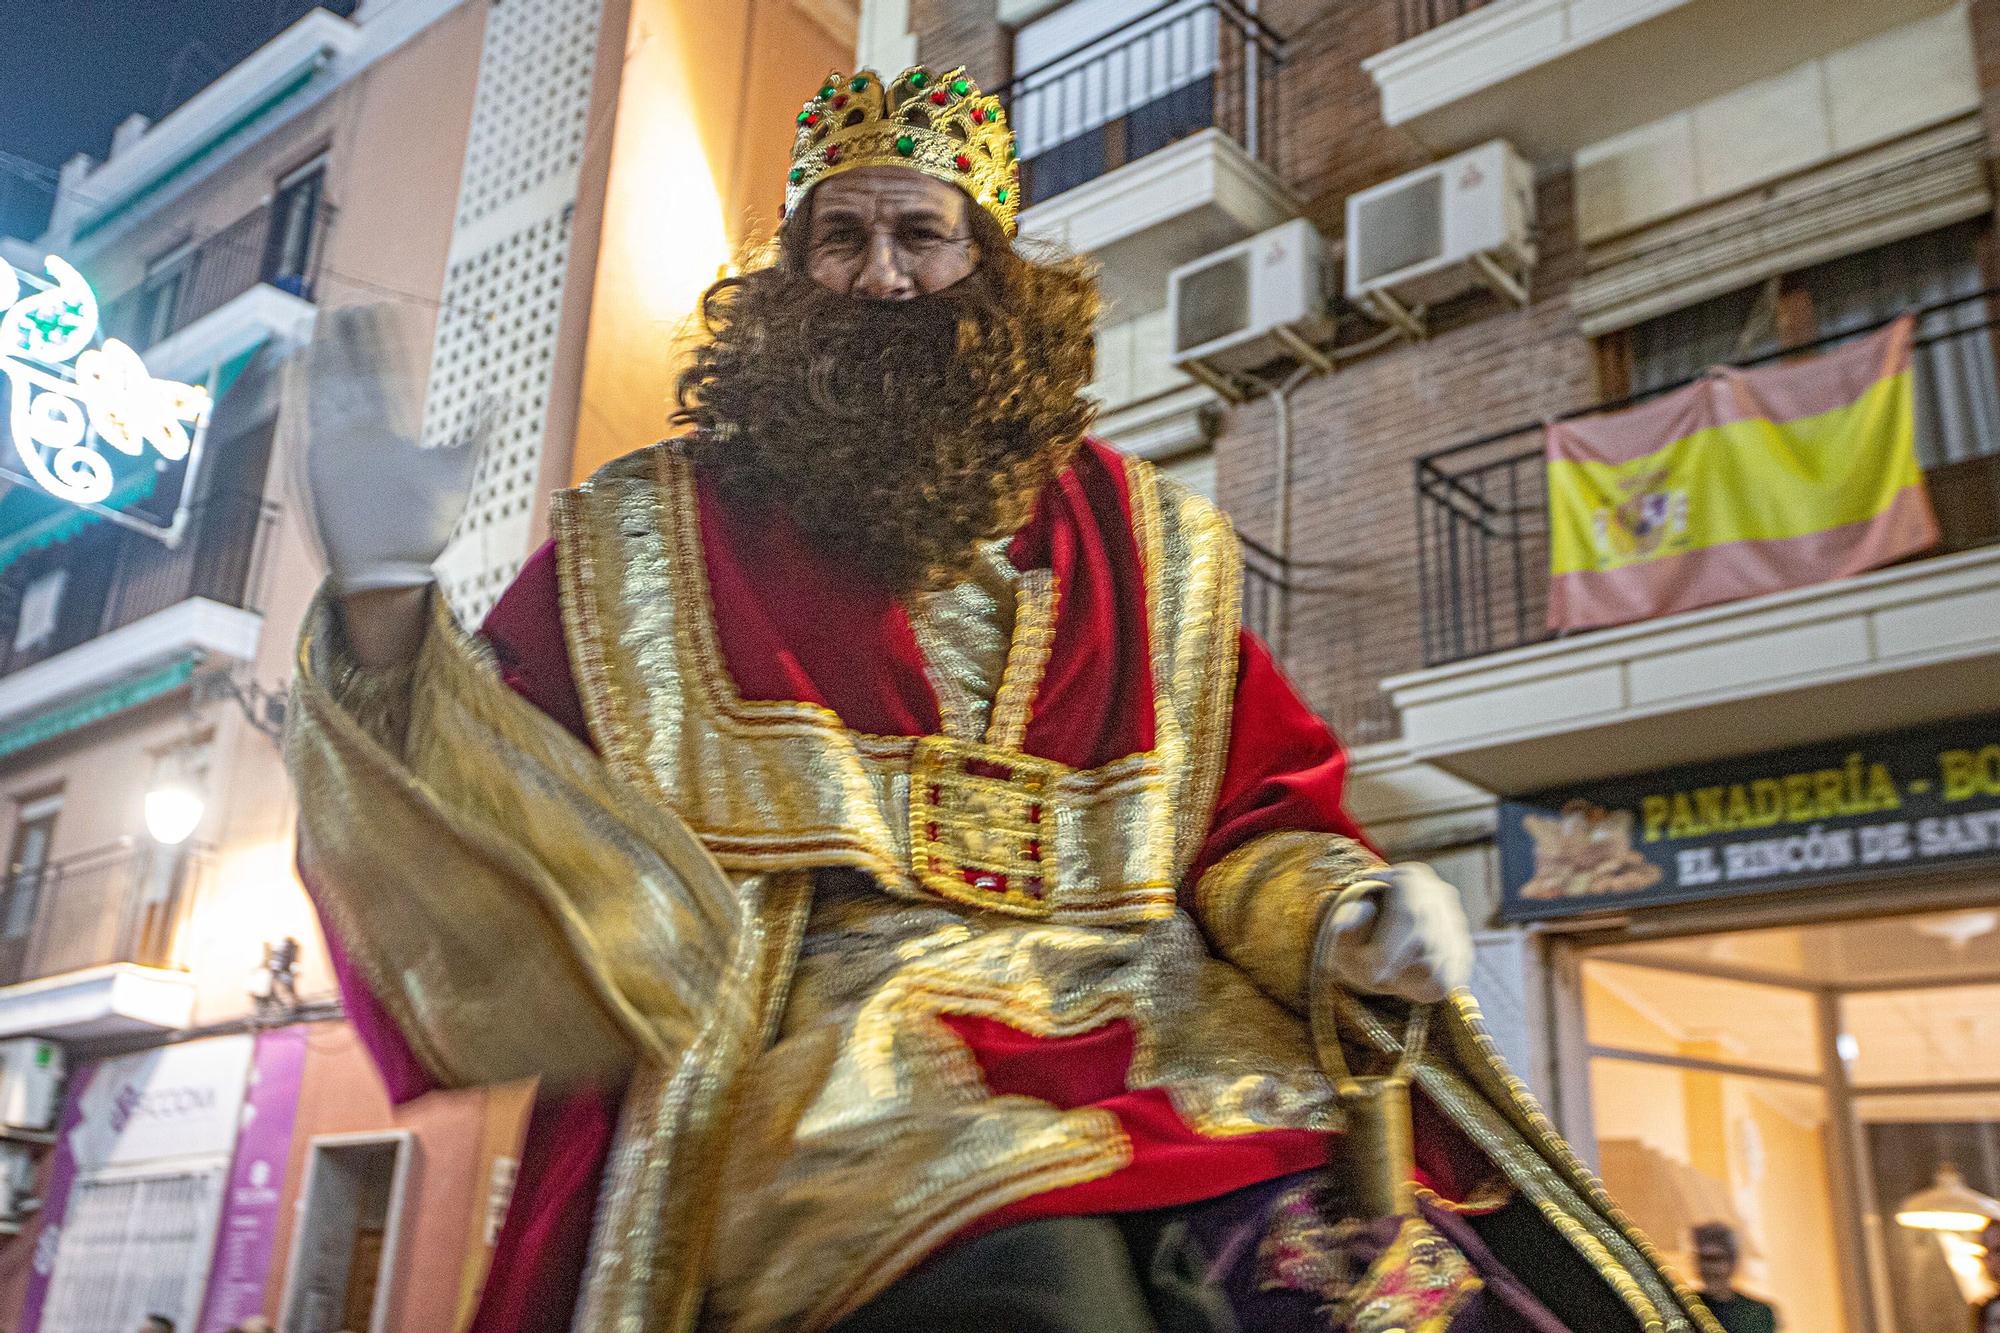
(1775, 986)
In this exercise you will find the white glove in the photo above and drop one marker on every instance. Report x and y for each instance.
(382, 506)
(1400, 933)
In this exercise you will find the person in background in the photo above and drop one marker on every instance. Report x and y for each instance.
(1715, 1257)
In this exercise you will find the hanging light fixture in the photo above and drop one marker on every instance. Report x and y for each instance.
(1948, 1205)
(173, 809)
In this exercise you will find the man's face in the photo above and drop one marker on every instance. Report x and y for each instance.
(888, 234)
(1715, 1261)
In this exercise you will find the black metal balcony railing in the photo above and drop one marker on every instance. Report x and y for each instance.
(1482, 506)
(217, 270)
(1169, 73)
(119, 904)
(1417, 17)
(114, 576)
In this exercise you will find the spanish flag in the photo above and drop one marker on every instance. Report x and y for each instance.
(1748, 482)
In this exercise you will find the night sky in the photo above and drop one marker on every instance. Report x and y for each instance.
(70, 70)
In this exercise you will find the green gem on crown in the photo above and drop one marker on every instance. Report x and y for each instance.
(796, 175)
(961, 86)
(802, 116)
(828, 91)
(1001, 194)
(918, 78)
(858, 82)
(906, 145)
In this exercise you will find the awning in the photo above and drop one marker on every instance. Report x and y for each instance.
(1927, 180)
(82, 712)
(31, 520)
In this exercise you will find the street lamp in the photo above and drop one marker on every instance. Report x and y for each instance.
(173, 809)
(1948, 1205)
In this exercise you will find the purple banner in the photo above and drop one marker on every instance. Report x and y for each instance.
(62, 1177)
(248, 1234)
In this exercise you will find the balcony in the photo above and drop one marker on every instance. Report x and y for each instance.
(86, 946)
(253, 280)
(128, 617)
(1553, 76)
(114, 578)
(1147, 146)
(1503, 704)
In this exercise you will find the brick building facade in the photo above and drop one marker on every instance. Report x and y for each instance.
(1353, 618)
(1714, 182)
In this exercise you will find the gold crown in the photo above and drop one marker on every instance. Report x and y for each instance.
(941, 125)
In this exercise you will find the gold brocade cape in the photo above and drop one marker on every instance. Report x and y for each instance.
(682, 903)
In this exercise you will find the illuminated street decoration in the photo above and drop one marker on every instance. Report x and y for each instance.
(65, 397)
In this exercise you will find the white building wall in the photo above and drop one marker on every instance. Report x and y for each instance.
(503, 291)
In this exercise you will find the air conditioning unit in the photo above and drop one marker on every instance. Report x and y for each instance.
(17, 1182)
(31, 1072)
(1438, 232)
(1246, 305)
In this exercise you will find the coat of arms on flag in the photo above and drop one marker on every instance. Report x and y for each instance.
(1747, 482)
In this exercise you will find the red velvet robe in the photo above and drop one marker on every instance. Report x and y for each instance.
(796, 626)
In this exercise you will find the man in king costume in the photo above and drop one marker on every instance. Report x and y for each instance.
(922, 903)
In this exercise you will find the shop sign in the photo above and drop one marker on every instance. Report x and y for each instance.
(68, 401)
(247, 1238)
(180, 1102)
(1884, 805)
(173, 1101)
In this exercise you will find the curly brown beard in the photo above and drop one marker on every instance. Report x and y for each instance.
(897, 435)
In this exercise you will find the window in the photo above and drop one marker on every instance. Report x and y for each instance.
(160, 296)
(1957, 388)
(1105, 82)
(27, 867)
(40, 601)
(1958, 398)
(291, 255)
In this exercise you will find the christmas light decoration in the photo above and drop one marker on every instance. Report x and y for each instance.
(67, 398)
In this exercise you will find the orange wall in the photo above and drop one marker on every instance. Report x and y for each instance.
(448, 1181)
(699, 151)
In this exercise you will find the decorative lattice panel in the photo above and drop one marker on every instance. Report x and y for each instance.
(503, 288)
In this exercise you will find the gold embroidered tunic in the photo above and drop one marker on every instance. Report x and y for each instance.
(783, 925)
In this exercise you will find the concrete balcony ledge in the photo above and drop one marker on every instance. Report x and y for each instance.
(114, 1000)
(1552, 76)
(1160, 426)
(1150, 216)
(1898, 647)
(259, 314)
(196, 627)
